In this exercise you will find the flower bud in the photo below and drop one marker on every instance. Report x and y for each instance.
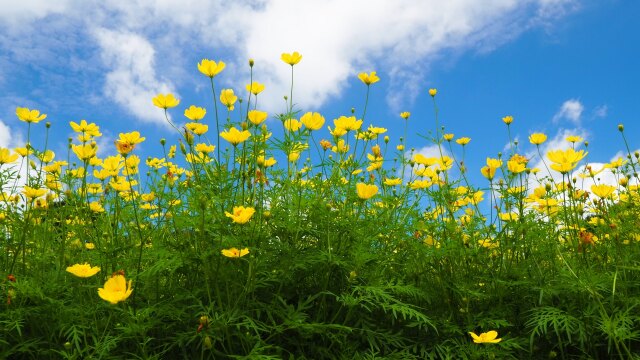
(251, 62)
(620, 127)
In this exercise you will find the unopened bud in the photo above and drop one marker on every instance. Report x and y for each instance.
(251, 62)
(620, 127)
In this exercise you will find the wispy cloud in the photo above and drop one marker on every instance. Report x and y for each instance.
(570, 110)
(600, 111)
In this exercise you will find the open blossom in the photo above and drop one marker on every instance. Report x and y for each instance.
(228, 98)
(366, 191)
(116, 289)
(83, 270)
(235, 253)
(257, 117)
(255, 88)
(195, 113)
(312, 121)
(165, 101)
(30, 116)
(235, 136)
(368, 79)
(488, 337)
(210, 68)
(292, 58)
(241, 214)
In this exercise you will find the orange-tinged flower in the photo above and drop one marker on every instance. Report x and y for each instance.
(116, 289)
(210, 68)
(312, 121)
(235, 253)
(123, 148)
(30, 116)
(195, 113)
(241, 214)
(366, 191)
(257, 117)
(368, 79)
(292, 58)
(488, 337)
(255, 88)
(537, 138)
(83, 270)
(235, 136)
(165, 101)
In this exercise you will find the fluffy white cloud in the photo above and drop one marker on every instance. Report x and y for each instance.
(132, 81)
(570, 110)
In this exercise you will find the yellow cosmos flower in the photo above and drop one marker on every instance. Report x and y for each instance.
(603, 191)
(537, 138)
(255, 88)
(511, 216)
(123, 148)
(433, 92)
(85, 152)
(515, 166)
(90, 129)
(488, 337)
(197, 128)
(507, 119)
(235, 136)
(257, 117)
(347, 123)
(116, 289)
(341, 147)
(96, 207)
(392, 181)
(241, 214)
(132, 138)
(463, 141)
(210, 68)
(83, 270)
(264, 162)
(292, 125)
(195, 113)
(235, 253)
(366, 191)
(488, 172)
(32, 193)
(291, 59)
(165, 101)
(228, 98)
(337, 132)
(565, 161)
(574, 139)
(494, 163)
(405, 115)
(448, 137)
(6, 157)
(205, 148)
(368, 79)
(312, 121)
(30, 116)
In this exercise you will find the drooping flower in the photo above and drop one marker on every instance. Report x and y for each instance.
(235, 136)
(488, 337)
(116, 289)
(210, 68)
(228, 98)
(165, 101)
(366, 191)
(368, 79)
(195, 113)
(292, 58)
(83, 270)
(241, 214)
(29, 116)
(234, 252)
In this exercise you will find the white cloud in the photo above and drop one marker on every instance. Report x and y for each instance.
(17, 12)
(570, 110)
(132, 81)
(600, 111)
(400, 39)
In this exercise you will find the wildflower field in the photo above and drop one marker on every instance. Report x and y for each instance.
(333, 243)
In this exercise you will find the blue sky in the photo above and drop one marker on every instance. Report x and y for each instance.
(558, 66)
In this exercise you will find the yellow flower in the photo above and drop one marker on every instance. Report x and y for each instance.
(205, 148)
(123, 148)
(369, 79)
(565, 161)
(96, 207)
(448, 137)
(83, 270)
(488, 337)
(257, 117)
(195, 113)
(210, 68)
(255, 88)
(85, 152)
(6, 157)
(574, 139)
(433, 92)
(235, 136)
(292, 125)
(235, 253)
(165, 101)
(537, 138)
(30, 116)
(366, 191)
(507, 119)
(263, 162)
(241, 214)
(341, 147)
(197, 128)
(463, 141)
(85, 128)
(291, 59)
(488, 172)
(337, 132)
(603, 191)
(376, 130)
(405, 115)
(511, 216)
(32, 193)
(392, 181)
(347, 123)
(116, 289)
(312, 121)
(228, 98)
(516, 166)
(494, 163)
